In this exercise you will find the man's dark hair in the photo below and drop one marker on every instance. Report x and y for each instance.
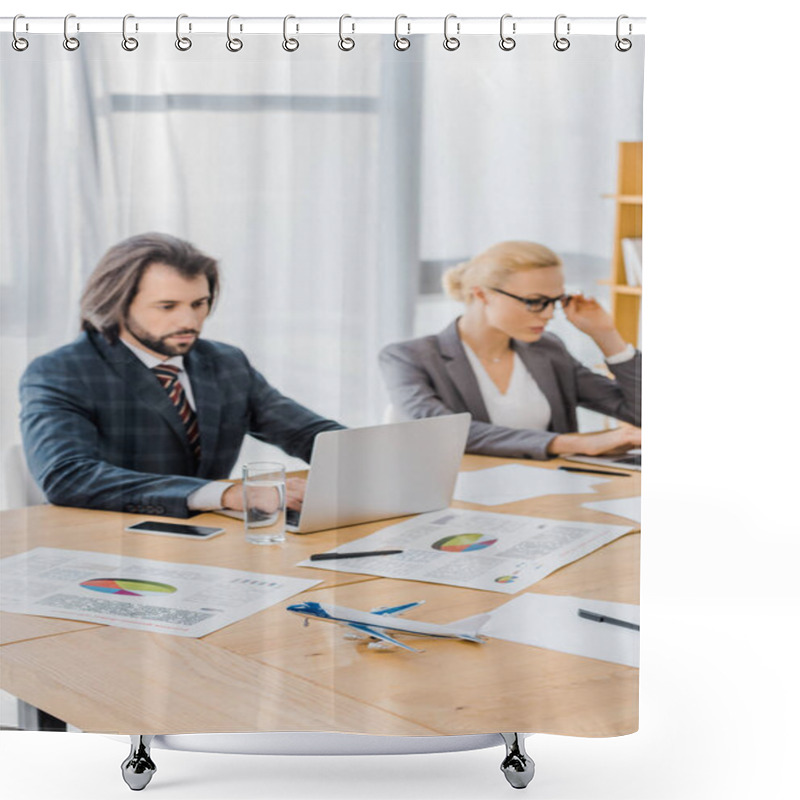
(115, 281)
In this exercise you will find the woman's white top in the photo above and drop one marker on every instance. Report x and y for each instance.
(522, 406)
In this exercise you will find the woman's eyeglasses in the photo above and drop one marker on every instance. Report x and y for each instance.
(537, 304)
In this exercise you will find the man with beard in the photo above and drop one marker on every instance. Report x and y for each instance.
(139, 414)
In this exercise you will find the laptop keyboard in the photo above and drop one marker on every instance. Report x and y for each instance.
(634, 460)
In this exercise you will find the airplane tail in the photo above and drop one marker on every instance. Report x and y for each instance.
(469, 629)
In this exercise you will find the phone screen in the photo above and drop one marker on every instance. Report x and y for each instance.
(174, 529)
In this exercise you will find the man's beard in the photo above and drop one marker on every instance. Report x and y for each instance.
(159, 345)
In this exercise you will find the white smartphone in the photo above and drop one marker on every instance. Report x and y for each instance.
(175, 529)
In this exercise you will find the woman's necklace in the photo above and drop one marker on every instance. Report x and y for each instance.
(495, 360)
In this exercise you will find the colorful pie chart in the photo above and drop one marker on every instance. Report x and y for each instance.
(127, 586)
(463, 543)
(505, 579)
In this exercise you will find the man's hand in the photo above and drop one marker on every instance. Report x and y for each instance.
(266, 498)
(613, 442)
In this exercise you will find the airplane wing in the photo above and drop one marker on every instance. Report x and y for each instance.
(381, 635)
(397, 610)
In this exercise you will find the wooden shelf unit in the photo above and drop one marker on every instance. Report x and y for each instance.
(625, 299)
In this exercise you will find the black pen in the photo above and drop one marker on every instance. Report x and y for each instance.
(595, 471)
(582, 612)
(327, 556)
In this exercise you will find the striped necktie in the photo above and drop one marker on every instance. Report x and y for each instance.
(167, 375)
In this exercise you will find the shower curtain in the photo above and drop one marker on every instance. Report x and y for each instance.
(335, 178)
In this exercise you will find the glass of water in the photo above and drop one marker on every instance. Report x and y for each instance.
(264, 491)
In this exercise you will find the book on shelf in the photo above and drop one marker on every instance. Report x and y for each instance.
(632, 256)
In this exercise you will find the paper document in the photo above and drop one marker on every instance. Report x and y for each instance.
(630, 507)
(138, 593)
(507, 484)
(552, 622)
(475, 549)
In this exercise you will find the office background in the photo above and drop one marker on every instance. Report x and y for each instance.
(312, 286)
(719, 695)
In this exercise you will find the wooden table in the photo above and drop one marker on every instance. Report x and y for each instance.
(269, 673)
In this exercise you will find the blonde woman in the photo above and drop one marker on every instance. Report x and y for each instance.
(519, 382)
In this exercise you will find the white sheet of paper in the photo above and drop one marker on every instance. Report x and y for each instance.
(138, 593)
(629, 507)
(507, 484)
(552, 622)
(475, 549)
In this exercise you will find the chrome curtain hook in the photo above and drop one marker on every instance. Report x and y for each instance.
(623, 45)
(17, 42)
(451, 42)
(128, 42)
(289, 45)
(400, 42)
(506, 42)
(561, 43)
(70, 42)
(234, 45)
(345, 42)
(183, 43)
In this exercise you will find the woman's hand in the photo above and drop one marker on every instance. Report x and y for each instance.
(613, 442)
(587, 315)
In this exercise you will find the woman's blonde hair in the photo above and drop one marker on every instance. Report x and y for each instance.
(492, 266)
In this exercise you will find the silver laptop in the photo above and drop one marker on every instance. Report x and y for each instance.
(368, 474)
(630, 460)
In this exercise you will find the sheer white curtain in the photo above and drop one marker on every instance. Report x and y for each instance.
(296, 170)
(523, 145)
(333, 187)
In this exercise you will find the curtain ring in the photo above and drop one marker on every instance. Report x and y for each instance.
(70, 42)
(506, 42)
(345, 42)
(289, 45)
(17, 42)
(234, 45)
(128, 42)
(183, 43)
(400, 42)
(623, 45)
(451, 42)
(561, 43)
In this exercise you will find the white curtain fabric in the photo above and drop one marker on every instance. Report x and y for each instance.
(333, 187)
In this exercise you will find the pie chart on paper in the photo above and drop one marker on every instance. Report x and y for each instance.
(463, 543)
(127, 586)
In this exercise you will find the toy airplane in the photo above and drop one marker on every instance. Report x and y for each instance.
(375, 623)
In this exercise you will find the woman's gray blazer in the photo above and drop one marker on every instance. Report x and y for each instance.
(431, 376)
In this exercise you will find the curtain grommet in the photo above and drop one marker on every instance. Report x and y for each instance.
(70, 43)
(507, 43)
(451, 43)
(183, 43)
(346, 43)
(234, 45)
(19, 43)
(561, 43)
(401, 43)
(623, 44)
(129, 43)
(289, 44)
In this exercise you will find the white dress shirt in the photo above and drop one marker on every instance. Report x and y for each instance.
(523, 405)
(208, 497)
